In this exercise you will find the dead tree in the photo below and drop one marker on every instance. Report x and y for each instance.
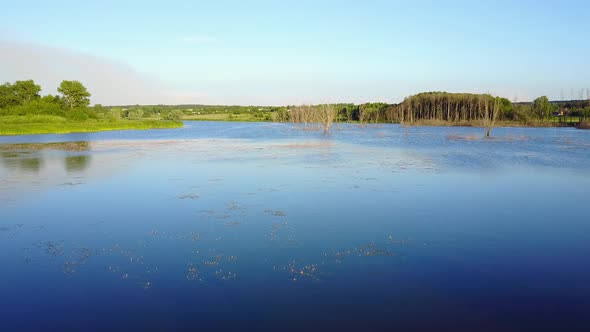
(490, 117)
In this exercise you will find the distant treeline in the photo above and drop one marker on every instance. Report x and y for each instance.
(262, 113)
(23, 98)
(73, 99)
(453, 108)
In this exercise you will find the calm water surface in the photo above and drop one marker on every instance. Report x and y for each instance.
(258, 226)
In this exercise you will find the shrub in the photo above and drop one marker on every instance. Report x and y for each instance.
(174, 115)
(36, 107)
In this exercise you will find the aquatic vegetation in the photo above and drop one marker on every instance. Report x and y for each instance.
(52, 248)
(213, 261)
(225, 275)
(298, 271)
(188, 196)
(369, 249)
(392, 240)
(10, 230)
(193, 273)
(189, 236)
(72, 183)
(231, 223)
(276, 213)
(233, 206)
(78, 258)
(282, 233)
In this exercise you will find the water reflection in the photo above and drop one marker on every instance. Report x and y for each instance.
(78, 163)
(21, 161)
(36, 167)
(34, 162)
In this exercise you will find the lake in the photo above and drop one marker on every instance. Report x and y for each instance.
(267, 226)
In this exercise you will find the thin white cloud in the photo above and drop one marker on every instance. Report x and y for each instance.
(110, 82)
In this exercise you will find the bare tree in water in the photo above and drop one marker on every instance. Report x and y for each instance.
(322, 115)
(326, 114)
(490, 115)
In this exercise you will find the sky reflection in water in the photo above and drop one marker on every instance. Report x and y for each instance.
(268, 226)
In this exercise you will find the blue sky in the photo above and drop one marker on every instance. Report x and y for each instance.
(288, 52)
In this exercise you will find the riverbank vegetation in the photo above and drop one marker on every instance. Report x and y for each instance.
(430, 108)
(195, 112)
(452, 109)
(24, 111)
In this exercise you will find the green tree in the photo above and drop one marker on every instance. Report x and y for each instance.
(19, 93)
(542, 108)
(74, 94)
(26, 91)
(6, 95)
(506, 108)
(174, 115)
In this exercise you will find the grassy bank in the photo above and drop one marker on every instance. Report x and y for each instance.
(241, 117)
(47, 124)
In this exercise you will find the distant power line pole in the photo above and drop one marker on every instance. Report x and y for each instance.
(562, 95)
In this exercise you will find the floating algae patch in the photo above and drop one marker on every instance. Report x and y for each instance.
(188, 196)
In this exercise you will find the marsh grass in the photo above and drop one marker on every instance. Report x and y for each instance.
(47, 124)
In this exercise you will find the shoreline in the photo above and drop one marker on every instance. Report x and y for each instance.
(99, 126)
(20, 129)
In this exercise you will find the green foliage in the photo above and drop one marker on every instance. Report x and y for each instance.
(371, 112)
(19, 93)
(542, 108)
(98, 108)
(135, 114)
(174, 115)
(74, 94)
(506, 108)
(24, 111)
(283, 115)
(6, 95)
(81, 114)
(36, 107)
(114, 114)
(26, 91)
(522, 113)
